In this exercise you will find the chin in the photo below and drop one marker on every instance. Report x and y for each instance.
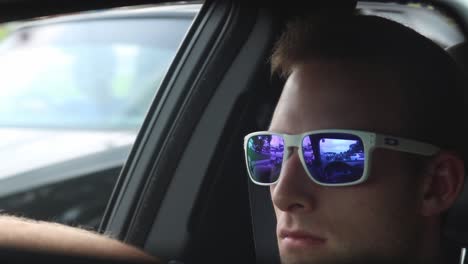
(330, 258)
(295, 259)
(304, 256)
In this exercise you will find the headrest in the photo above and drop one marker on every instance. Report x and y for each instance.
(459, 53)
(456, 227)
(456, 224)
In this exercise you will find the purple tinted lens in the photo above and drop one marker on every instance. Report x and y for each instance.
(334, 158)
(264, 154)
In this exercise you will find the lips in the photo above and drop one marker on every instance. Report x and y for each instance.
(296, 238)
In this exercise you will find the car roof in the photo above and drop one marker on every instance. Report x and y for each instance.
(187, 11)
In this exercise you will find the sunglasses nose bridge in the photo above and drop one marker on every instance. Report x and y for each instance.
(291, 142)
(290, 151)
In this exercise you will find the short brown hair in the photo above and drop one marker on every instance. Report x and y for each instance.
(433, 87)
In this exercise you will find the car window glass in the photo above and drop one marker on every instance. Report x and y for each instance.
(75, 91)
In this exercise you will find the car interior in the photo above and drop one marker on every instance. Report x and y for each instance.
(183, 194)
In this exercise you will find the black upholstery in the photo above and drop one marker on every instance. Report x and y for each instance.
(459, 53)
(456, 228)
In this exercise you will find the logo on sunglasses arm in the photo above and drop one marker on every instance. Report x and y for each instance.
(391, 141)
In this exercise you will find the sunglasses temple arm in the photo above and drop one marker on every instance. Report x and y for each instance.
(405, 145)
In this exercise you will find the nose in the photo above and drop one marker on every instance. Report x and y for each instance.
(294, 190)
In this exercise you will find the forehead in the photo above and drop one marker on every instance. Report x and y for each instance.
(334, 94)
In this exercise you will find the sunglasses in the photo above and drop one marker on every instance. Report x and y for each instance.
(334, 157)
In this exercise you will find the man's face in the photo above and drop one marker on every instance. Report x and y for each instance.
(376, 220)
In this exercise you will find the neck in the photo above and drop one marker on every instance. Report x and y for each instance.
(431, 249)
(440, 251)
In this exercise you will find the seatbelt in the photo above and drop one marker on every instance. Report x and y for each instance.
(263, 224)
(462, 255)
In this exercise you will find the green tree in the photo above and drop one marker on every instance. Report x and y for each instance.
(3, 32)
(356, 147)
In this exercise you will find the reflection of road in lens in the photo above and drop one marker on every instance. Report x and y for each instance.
(338, 171)
(265, 166)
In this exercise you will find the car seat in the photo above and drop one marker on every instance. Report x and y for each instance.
(456, 228)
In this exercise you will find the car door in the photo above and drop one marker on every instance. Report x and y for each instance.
(183, 192)
(75, 89)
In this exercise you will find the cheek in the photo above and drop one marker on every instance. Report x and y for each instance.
(381, 213)
(366, 222)
(272, 189)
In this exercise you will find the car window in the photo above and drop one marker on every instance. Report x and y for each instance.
(75, 91)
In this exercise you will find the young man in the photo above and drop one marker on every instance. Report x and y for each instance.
(381, 160)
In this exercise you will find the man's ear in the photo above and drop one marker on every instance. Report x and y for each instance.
(442, 182)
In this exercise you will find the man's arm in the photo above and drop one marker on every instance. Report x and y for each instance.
(57, 238)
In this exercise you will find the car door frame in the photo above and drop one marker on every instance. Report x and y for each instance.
(199, 94)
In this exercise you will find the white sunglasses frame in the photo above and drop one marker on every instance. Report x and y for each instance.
(370, 141)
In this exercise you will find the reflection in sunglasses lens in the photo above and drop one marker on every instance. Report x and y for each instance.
(264, 157)
(334, 158)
